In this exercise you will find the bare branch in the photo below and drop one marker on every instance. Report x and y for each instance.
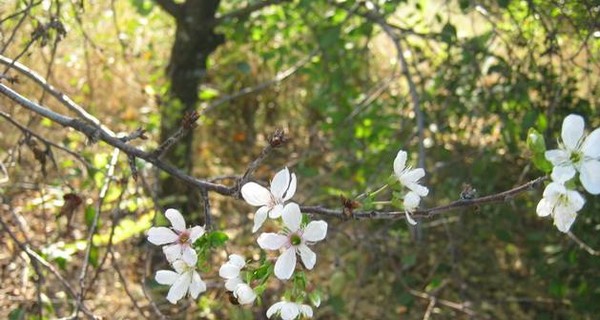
(170, 7)
(246, 11)
(583, 245)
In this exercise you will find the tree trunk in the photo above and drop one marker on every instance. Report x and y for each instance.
(195, 40)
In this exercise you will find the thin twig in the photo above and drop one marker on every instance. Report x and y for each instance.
(583, 245)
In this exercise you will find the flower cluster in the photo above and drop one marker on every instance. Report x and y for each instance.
(409, 178)
(177, 244)
(234, 283)
(294, 239)
(576, 153)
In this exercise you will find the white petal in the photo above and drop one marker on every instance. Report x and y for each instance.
(554, 190)
(179, 288)
(189, 255)
(291, 189)
(306, 310)
(286, 263)
(410, 220)
(172, 252)
(309, 258)
(229, 271)
(564, 221)
(176, 219)
(195, 233)
(197, 286)
(259, 218)
(563, 173)
(180, 266)
(412, 176)
(292, 216)
(166, 277)
(289, 311)
(256, 194)
(276, 307)
(280, 183)
(557, 157)
(400, 162)
(237, 260)
(572, 131)
(576, 201)
(590, 176)
(244, 294)
(161, 235)
(418, 189)
(544, 208)
(411, 201)
(276, 211)
(591, 145)
(231, 284)
(315, 231)
(272, 241)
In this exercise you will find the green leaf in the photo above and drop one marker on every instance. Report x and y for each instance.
(143, 7)
(208, 94)
(448, 33)
(90, 213)
(94, 254)
(16, 314)
(537, 147)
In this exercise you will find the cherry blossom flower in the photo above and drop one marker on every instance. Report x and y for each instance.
(411, 203)
(231, 272)
(295, 240)
(283, 187)
(577, 152)
(561, 204)
(409, 177)
(289, 310)
(177, 240)
(184, 279)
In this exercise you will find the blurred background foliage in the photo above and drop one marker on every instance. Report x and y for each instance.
(484, 72)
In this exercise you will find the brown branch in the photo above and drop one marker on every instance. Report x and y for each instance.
(583, 245)
(246, 11)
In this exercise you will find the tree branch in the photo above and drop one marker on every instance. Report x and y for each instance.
(246, 11)
(170, 7)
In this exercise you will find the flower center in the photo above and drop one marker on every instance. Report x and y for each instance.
(295, 239)
(184, 237)
(575, 157)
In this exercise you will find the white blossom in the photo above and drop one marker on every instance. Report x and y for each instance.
(231, 272)
(294, 241)
(178, 240)
(411, 203)
(561, 204)
(575, 153)
(289, 310)
(184, 279)
(270, 201)
(409, 177)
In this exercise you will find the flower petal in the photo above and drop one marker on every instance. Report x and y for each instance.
(291, 189)
(306, 310)
(276, 211)
(409, 218)
(161, 235)
(180, 266)
(273, 309)
(229, 271)
(244, 294)
(231, 284)
(411, 201)
(197, 286)
(286, 263)
(292, 217)
(179, 288)
(166, 277)
(557, 157)
(576, 201)
(189, 255)
(554, 190)
(289, 311)
(255, 194)
(418, 189)
(544, 208)
(590, 176)
(400, 163)
(259, 218)
(591, 145)
(272, 241)
(315, 231)
(195, 233)
(172, 252)
(309, 258)
(176, 219)
(563, 173)
(412, 176)
(572, 131)
(280, 183)
(237, 260)
(564, 221)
